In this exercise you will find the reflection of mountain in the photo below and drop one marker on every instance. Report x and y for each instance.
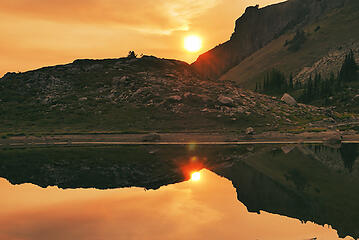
(259, 192)
(286, 181)
(103, 168)
(341, 158)
(299, 186)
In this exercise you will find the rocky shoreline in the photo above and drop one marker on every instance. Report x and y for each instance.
(330, 137)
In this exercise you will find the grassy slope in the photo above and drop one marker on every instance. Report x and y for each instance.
(337, 28)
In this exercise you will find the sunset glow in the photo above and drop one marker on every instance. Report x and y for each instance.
(193, 43)
(196, 176)
(45, 33)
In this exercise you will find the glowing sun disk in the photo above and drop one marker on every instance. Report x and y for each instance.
(192, 43)
(196, 176)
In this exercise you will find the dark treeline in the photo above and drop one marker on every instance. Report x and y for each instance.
(316, 87)
(276, 82)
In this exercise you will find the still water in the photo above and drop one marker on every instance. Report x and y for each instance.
(146, 192)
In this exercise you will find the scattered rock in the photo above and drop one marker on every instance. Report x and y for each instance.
(166, 85)
(226, 100)
(175, 98)
(289, 99)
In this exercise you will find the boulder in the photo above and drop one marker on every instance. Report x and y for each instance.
(225, 100)
(289, 99)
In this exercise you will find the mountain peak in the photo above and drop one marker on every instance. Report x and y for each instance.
(256, 28)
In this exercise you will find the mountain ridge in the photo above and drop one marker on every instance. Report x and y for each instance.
(259, 26)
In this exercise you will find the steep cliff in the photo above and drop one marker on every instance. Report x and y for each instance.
(259, 26)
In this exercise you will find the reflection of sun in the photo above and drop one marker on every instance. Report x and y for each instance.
(196, 176)
(192, 43)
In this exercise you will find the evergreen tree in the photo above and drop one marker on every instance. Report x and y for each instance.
(316, 85)
(309, 90)
(291, 86)
(275, 81)
(348, 71)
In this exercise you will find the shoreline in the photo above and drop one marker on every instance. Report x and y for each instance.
(333, 137)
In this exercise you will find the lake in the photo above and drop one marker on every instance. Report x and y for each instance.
(253, 191)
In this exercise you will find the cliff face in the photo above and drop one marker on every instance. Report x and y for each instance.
(256, 28)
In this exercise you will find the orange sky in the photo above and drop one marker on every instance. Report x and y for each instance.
(36, 33)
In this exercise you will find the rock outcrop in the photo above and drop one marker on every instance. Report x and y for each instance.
(329, 64)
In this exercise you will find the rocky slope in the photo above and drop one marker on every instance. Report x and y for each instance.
(257, 28)
(330, 63)
(138, 94)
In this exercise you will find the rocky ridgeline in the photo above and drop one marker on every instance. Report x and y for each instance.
(171, 87)
(331, 63)
(259, 26)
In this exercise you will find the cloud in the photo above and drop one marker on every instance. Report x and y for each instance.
(145, 15)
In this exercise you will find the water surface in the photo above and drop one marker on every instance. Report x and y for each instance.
(145, 192)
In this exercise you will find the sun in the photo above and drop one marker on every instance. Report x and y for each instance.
(192, 43)
(196, 176)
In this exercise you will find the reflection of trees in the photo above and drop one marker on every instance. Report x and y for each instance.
(349, 153)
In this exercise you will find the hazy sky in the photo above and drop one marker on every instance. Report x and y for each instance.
(36, 33)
